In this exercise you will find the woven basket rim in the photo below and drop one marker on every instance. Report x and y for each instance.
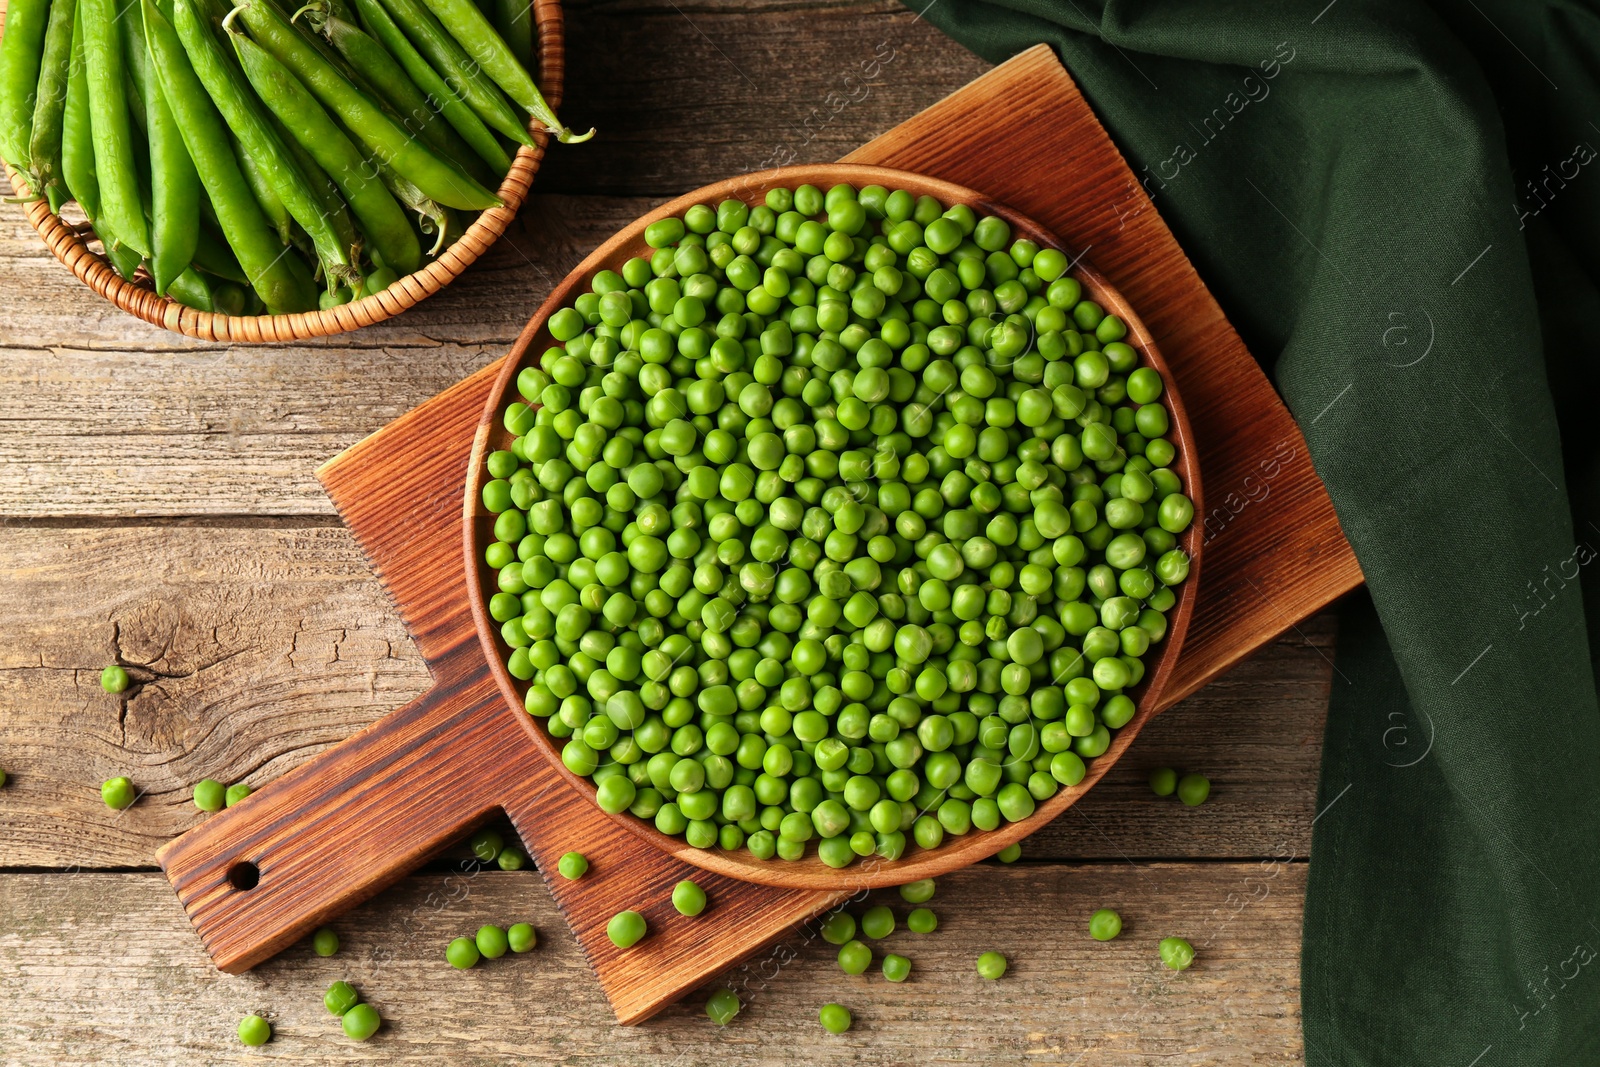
(69, 244)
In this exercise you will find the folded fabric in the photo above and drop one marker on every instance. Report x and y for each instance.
(1398, 206)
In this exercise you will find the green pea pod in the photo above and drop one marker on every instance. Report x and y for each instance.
(513, 19)
(333, 205)
(246, 117)
(77, 135)
(21, 53)
(459, 71)
(212, 255)
(50, 101)
(280, 280)
(452, 107)
(437, 178)
(123, 259)
(385, 74)
(266, 196)
(382, 219)
(114, 162)
(192, 290)
(490, 54)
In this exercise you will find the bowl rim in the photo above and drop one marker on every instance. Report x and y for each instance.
(809, 872)
(69, 242)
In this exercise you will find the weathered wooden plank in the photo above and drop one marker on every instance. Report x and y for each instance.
(1066, 999)
(271, 642)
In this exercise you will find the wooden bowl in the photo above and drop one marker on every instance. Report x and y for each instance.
(811, 872)
(70, 242)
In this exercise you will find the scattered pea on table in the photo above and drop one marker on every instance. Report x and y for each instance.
(922, 921)
(462, 953)
(722, 1006)
(236, 792)
(209, 795)
(626, 928)
(491, 941)
(512, 859)
(1163, 781)
(1176, 953)
(1105, 924)
(114, 679)
(688, 898)
(361, 1022)
(486, 845)
(325, 942)
(1010, 854)
(340, 998)
(854, 958)
(878, 922)
(918, 892)
(839, 927)
(835, 1018)
(118, 793)
(254, 1030)
(991, 965)
(1193, 789)
(573, 866)
(896, 968)
(522, 937)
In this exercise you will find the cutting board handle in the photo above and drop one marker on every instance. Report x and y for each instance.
(342, 826)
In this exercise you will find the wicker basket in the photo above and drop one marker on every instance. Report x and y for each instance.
(70, 243)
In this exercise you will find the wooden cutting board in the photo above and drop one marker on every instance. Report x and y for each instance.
(339, 828)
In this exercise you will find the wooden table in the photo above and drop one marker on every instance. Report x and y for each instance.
(157, 506)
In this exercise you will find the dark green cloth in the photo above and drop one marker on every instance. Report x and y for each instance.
(1398, 206)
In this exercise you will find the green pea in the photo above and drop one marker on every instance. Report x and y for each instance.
(118, 793)
(114, 679)
(463, 953)
(835, 1018)
(854, 957)
(722, 1006)
(896, 968)
(1176, 953)
(361, 1022)
(1193, 789)
(1105, 924)
(688, 898)
(922, 921)
(492, 942)
(340, 998)
(254, 1031)
(209, 795)
(991, 965)
(325, 942)
(521, 937)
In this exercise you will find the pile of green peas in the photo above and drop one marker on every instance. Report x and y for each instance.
(844, 518)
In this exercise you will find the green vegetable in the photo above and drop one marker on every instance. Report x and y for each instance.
(118, 793)
(688, 898)
(1176, 953)
(21, 53)
(105, 69)
(282, 284)
(918, 892)
(1193, 789)
(896, 968)
(521, 938)
(922, 921)
(340, 998)
(492, 942)
(437, 178)
(361, 1022)
(467, 24)
(626, 928)
(465, 77)
(486, 845)
(1163, 781)
(878, 922)
(2, 779)
(573, 866)
(325, 942)
(1012, 852)
(236, 792)
(839, 927)
(1105, 924)
(114, 679)
(854, 957)
(830, 529)
(209, 795)
(462, 953)
(834, 1018)
(49, 103)
(77, 134)
(174, 183)
(722, 1006)
(512, 859)
(991, 965)
(254, 1030)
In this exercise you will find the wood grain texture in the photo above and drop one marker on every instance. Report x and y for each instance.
(810, 872)
(272, 642)
(1275, 552)
(1066, 999)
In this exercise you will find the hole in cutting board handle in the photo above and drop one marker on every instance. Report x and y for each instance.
(244, 875)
